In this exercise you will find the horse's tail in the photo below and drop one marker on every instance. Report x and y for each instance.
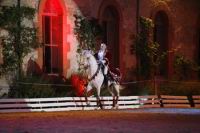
(121, 87)
(118, 73)
(119, 77)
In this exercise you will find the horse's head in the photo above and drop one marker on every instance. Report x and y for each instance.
(86, 58)
(87, 53)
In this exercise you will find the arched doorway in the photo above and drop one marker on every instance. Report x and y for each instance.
(110, 23)
(161, 37)
(198, 45)
(52, 36)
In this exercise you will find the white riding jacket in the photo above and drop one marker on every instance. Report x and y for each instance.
(101, 55)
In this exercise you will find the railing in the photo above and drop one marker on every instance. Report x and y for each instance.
(196, 100)
(79, 103)
(157, 95)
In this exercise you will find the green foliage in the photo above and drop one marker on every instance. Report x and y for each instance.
(87, 31)
(184, 67)
(38, 87)
(147, 51)
(141, 46)
(10, 15)
(19, 39)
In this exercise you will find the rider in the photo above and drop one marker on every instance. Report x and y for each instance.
(102, 60)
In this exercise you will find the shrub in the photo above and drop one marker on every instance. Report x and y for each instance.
(36, 87)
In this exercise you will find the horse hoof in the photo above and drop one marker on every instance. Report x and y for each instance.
(115, 107)
(98, 108)
(88, 104)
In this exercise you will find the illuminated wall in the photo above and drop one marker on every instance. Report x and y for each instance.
(56, 32)
(182, 30)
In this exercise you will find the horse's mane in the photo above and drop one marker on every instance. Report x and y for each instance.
(92, 56)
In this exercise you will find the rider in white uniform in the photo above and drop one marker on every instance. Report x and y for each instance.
(102, 60)
(102, 53)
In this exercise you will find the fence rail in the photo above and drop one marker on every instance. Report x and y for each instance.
(196, 100)
(79, 103)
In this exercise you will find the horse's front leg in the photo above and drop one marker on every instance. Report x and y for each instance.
(86, 94)
(86, 98)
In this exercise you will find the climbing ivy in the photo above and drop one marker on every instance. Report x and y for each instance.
(87, 30)
(19, 39)
(147, 51)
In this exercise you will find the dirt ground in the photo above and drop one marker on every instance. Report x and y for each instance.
(112, 121)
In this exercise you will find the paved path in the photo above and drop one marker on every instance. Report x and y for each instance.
(120, 121)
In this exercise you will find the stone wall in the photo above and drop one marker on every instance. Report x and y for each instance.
(183, 17)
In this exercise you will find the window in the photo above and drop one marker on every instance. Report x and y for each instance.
(52, 22)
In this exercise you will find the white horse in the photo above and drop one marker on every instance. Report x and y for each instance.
(96, 79)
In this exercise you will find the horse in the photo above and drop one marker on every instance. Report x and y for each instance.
(96, 79)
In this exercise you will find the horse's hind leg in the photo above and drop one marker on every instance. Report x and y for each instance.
(116, 95)
(116, 100)
(111, 90)
(99, 104)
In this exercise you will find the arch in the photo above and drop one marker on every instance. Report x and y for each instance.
(198, 43)
(166, 14)
(161, 37)
(110, 19)
(52, 22)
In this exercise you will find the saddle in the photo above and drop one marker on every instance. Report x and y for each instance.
(112, 76)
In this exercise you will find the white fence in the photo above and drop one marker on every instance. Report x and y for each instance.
(78, 103)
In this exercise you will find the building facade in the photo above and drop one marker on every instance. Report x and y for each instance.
(177, 24)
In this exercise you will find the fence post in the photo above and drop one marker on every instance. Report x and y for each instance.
(160, 101)
(191, 101)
